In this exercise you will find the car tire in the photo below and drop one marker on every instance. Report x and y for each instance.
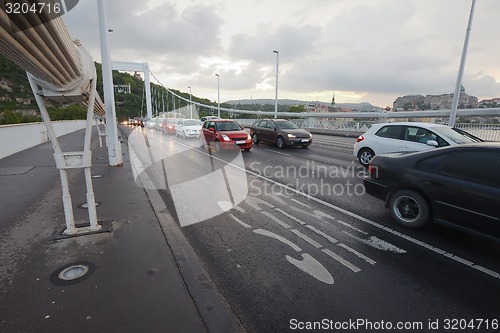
(280, 142)
(247, 149)
(365, 155)
(255, 139)
(409, 209)
(306, 146)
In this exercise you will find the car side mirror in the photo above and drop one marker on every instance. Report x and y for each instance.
(211, 129)
(432, 143)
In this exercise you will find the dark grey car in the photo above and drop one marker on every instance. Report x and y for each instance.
(282, 132)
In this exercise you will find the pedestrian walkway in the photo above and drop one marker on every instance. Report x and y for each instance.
(130, 282)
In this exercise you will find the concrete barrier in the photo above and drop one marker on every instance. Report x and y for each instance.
(18, 137)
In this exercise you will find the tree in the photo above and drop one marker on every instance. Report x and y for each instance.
(10, 117)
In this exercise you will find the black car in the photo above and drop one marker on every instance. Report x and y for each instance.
(456, 186)
(282, 132)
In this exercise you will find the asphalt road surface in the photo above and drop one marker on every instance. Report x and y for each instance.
(293, 243)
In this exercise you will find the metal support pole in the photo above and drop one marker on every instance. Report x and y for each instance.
(276, 98)
(218, 96)
(114, 146)
(456, 96)
(190, 104)
(66, 196)
(94, 226)
(72, 160)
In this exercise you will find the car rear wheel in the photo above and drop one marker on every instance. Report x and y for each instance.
(255, 139)
(280, 142)
(365, 156)
(409, 209)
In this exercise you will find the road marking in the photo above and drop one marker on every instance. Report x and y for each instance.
(360, 218)
(307, 239)
(341, 260)
(277, 152)
(342, 245)
(277, 237)
(291, 217)
(240, 221)
(358, 254)
(277, 220)
(300, 203)
(377, 243)
(312, 267)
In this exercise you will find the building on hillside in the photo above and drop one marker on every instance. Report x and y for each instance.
(490, 103)
(435, 102)
(408, 102)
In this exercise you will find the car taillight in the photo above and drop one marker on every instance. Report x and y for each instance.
(360, 138)
(372, 171)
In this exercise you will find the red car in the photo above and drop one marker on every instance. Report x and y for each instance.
(168, 125)
(224, 134)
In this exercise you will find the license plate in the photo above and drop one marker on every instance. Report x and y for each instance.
(242, 142)
(304, 140)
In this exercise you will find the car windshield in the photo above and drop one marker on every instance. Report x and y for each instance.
(172, 121)
(455, 136)
(227, 126)
(286, 125)
(190, 122)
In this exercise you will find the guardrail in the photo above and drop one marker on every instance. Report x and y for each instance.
(18, 137)
(487, 132)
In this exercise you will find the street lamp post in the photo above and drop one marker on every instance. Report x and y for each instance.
(114, 146)
(456, 96)
(276, 98)
(190, 104)
(218, 96)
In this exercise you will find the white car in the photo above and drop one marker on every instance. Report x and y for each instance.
(407, 137)
(151, 123)
(188, 128)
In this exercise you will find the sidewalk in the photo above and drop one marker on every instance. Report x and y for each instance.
(134, 283)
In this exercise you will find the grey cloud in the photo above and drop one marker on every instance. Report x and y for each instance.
(293, 42)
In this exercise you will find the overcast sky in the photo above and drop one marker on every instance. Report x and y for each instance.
(363, 50)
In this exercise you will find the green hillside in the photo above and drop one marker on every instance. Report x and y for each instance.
(17, 104)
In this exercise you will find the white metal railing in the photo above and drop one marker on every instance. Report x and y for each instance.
(488, 132)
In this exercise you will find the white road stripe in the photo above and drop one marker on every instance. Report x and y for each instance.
(307, 239)
(277, 220)
(277, 237)
(341, 260)
(336, 242)
(354, 215)
(240, 221)
(300, 203)
(291, 217)
(358, 254)
(277, 152)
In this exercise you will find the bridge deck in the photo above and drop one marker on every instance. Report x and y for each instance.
(133, 285)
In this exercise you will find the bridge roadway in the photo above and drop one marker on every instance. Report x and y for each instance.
(277, 257)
